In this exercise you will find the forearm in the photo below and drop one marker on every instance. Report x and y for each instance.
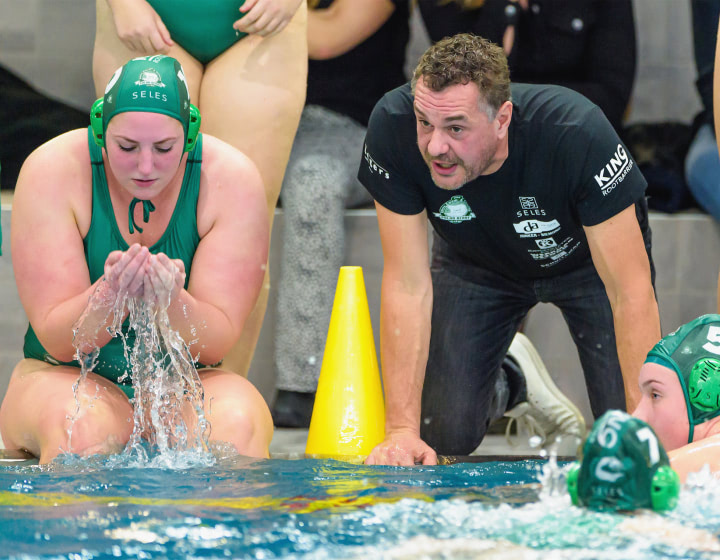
(82, 320)
(324, 38)
(207, 330)
(405, 337)
(637, 330)
(694, 456)
(340, 27)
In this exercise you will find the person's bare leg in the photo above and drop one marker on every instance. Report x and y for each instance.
(40, 414)
(252, 96)
(237, 413)
(109, 53)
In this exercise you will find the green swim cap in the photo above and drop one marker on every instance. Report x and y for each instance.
(624, 467)
(693, 353)
(154, 84)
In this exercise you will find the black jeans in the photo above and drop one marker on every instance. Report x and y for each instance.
(475, 315)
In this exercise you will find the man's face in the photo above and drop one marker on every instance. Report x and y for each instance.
(663, 405)
(457, 139)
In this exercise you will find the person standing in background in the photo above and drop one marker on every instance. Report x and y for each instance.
(246, 68)
(355, 57)
(585, 45)
(702, 161)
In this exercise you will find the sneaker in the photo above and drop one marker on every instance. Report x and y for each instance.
(546, 413)
(292, 409)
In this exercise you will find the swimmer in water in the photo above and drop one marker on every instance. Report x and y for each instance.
(624, 467)
(680, 384)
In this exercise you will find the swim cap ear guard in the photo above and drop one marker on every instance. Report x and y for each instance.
(624, 467)
(154, 84)
(704, 385)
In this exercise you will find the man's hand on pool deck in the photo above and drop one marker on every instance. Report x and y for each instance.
(402, 448)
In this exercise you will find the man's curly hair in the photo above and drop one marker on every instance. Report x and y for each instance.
(462, 59)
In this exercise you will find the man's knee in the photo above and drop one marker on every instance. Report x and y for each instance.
(453, 435)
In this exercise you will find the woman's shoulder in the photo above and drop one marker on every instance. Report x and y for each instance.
(57, 171)
(63, 154)
(54, 183)
(229, 179)
(221, 161)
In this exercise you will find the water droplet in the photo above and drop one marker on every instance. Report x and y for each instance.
(535, 441)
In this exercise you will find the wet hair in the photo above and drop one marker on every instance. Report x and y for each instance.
(466, 58)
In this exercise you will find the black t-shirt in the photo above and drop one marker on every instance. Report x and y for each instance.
(352, 83)
(566, 168)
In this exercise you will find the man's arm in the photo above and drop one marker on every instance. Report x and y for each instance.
(404, 336)
(620, 258)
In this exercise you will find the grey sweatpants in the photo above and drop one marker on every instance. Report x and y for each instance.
(320, 182)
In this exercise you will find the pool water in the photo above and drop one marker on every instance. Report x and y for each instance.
(307, 509)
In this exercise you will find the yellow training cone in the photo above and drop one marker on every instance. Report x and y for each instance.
(348, 418)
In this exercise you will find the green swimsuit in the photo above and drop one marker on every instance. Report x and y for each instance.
(204, 29)
(179, 241)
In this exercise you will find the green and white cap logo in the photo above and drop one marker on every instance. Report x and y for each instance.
(455, 210)
(154, 84)
(150, 77)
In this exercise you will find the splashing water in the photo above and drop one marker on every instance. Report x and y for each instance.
(552, 476)
(169, 398)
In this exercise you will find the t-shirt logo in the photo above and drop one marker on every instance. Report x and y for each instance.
(373, 166)
(528, 203)
(614, 171)
(546, 243)
(529, 207)
(455, 211)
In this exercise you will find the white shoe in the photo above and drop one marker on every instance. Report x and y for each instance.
(546, 413)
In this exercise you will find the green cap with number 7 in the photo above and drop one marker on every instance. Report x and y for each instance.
(693, 352)
(623, 467)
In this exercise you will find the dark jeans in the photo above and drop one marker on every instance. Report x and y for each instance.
(475, 315)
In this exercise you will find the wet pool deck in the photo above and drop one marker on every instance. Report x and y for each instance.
(290, 443)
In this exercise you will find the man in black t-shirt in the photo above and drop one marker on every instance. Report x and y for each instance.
(534, 199)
